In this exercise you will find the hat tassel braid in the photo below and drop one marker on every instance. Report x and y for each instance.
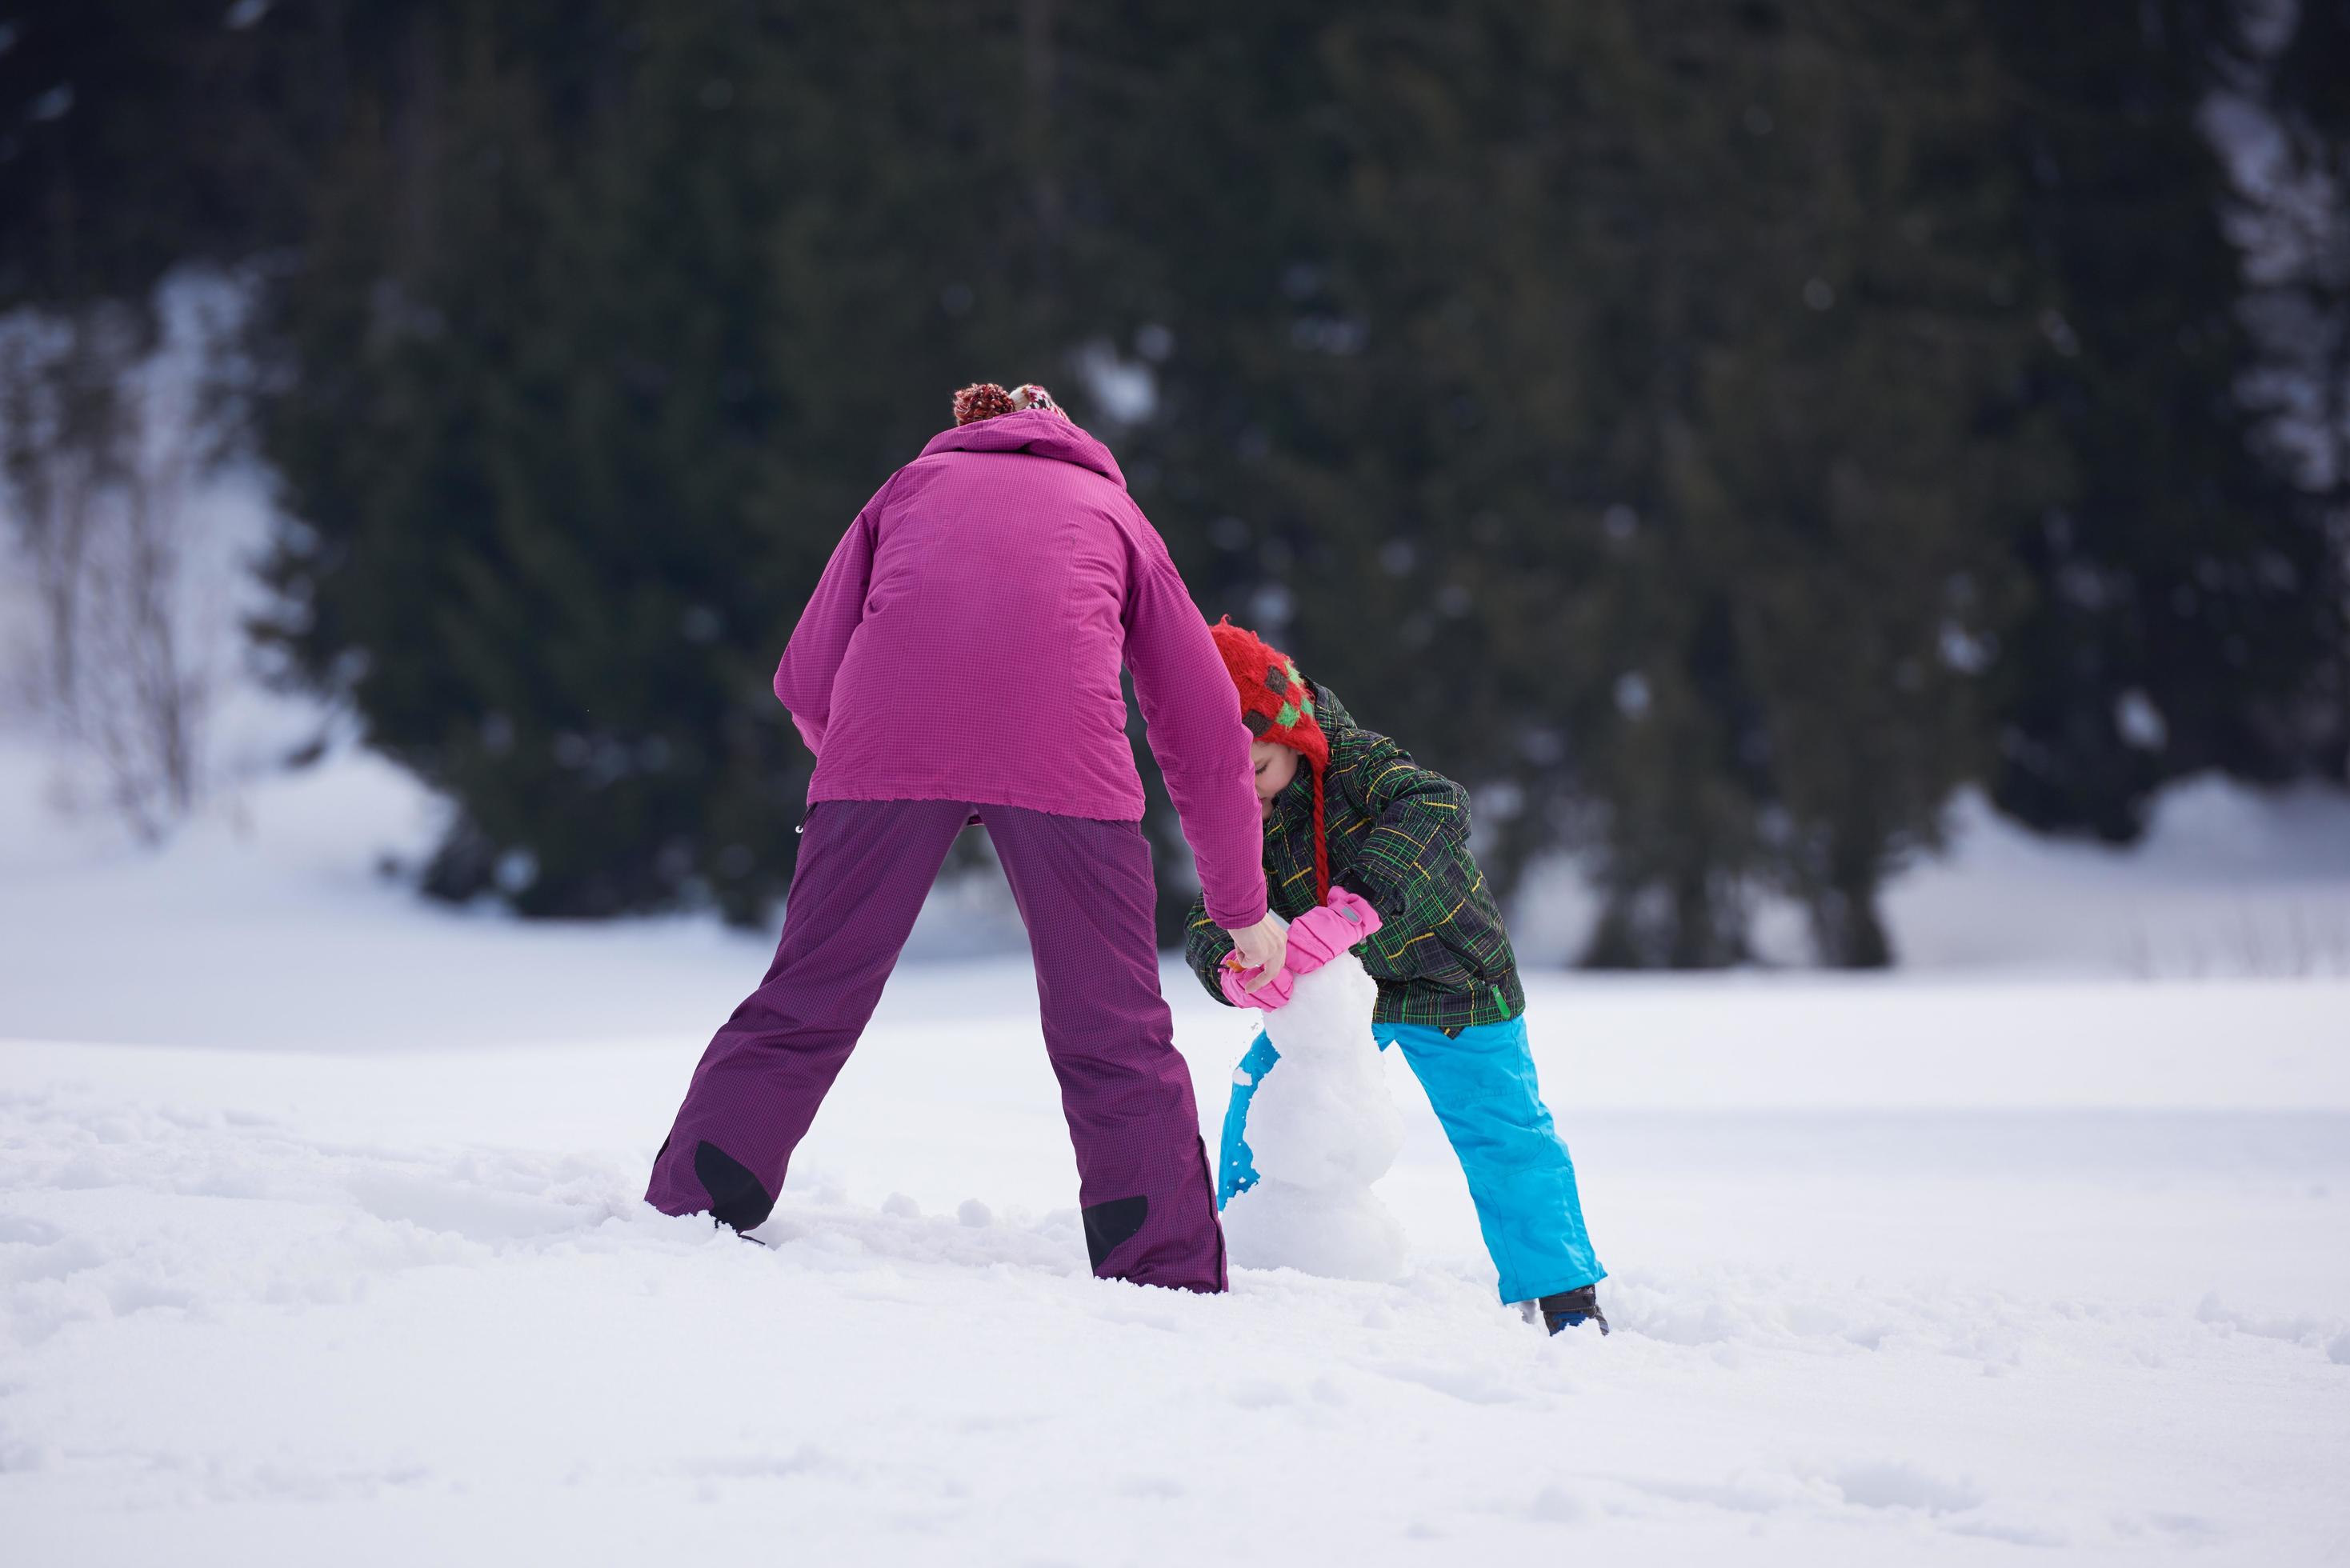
(1321, 842)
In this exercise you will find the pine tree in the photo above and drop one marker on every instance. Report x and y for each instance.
(2184, 593)
(604, 338)
(2296, 237)
(1532, 417)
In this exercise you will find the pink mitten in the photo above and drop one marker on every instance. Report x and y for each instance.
(1271, 994)
(1315, 938)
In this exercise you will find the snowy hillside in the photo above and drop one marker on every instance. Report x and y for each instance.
(2228, 881)
(319, 1238)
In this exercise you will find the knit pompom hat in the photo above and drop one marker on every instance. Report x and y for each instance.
(1276, 704)
(986, 401)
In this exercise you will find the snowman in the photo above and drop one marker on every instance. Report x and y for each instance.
(1320, 1123)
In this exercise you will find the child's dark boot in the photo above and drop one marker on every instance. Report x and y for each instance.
(1572, 1309)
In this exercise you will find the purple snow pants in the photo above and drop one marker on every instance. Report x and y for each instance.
(1085, 892)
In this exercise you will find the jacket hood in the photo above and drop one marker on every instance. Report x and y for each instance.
(1328, 712)
(1035, 432)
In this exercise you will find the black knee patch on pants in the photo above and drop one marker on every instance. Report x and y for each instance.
(1109, 1224)
(737, 1198)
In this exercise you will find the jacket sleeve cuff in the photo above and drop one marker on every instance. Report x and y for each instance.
(1239, 919)
(1212, 978)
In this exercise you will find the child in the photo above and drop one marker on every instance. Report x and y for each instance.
(1361, 813)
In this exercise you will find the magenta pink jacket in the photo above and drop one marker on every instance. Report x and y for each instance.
(965, 641)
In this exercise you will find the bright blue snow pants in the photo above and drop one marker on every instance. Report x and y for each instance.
(1481, 1083)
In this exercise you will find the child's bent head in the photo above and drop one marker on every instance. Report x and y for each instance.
(1276, 703)
(1277, 706)
(1276, 767)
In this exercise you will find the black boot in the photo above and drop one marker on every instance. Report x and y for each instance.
(1570, 1309)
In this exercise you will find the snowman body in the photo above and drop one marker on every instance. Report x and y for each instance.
(1322, 1127)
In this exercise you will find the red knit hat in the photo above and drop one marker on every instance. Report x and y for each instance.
(1276, 704)
(986, 401)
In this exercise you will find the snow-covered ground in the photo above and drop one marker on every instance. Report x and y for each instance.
(319, 1239)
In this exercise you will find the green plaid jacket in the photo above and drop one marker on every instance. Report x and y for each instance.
(1399, 836)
